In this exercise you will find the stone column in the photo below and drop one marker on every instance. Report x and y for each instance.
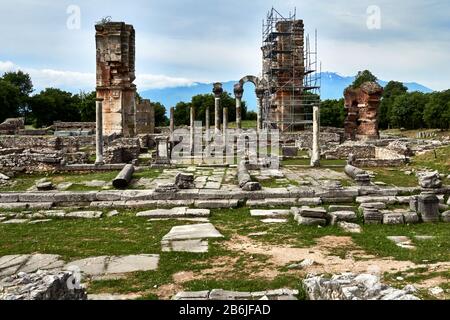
(225, 124)
(217, 90)
(192, 132)
(99, 131)
(260, 96)
(238, 93)
(315, 156)
(172, 120)
(207, 125)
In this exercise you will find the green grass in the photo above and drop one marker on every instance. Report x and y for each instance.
(374, 241)
(307, 162)
(394, 177)
(127, 234)
(438, 160)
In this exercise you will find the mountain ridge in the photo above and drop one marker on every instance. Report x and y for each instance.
(333, 85)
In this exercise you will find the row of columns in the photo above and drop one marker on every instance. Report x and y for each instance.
(238, 92)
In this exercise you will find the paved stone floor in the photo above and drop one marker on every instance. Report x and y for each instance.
(94, 266)
(190, 238)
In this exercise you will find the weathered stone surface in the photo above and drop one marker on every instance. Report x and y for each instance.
(272, 220)
(216, 204)
(372, 216)
(105, 265)
(189, 238)
(252, 186)
(346, 216)
(375, 205)
(16, 221)
(411, 217)
(269, 213)
(446, 216)
(428, 207)
(41, 285)
(184, 181)
(393, 218)
(28, 263)
(402, 242)
(311, 221)
(219, 294)
(113, 297)
(45, 186)
(308, 212)
(84, 214)
(430, 180)
(349, 227)
(348, 286)
(334, 208)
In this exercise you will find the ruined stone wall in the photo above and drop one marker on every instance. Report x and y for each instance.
(39, 143)
(122, 150)
(115, 42)
(145, 117)
(12, 125)
(361, 107)
(359, 150)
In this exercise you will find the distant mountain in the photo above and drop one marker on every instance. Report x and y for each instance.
(333, 86)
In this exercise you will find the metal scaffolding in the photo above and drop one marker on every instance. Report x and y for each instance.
(291, 73)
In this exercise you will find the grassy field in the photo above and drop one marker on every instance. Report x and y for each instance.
(126, 234)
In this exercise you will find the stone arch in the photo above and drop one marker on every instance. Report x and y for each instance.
(249, 78)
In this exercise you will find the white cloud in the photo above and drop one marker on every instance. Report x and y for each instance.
(151, 81)
(75, 81)
(6, 66)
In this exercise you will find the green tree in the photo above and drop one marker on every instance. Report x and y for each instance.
(181, 114)
(437, 110)
(332, 113)
(363, 76)
(251, 115)
(86, 106)
(22, 82)
(392, 90)
(407, 110)
(161, 119)
(53, 105)
(201, 102)
(10, 99)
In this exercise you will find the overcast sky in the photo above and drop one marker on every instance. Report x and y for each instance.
(185, 41)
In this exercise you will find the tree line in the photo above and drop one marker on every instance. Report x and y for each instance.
(51, 104)
(399, 108)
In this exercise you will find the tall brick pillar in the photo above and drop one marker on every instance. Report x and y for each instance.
(115, 42)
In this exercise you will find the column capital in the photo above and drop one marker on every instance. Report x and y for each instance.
(238, 91)
(217, 89)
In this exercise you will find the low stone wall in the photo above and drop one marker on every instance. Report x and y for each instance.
(67, 144)
(359, 150)
(27, 160)
(123, 150)
(41, 285)
(349, 286)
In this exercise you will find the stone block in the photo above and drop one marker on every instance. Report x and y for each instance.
(311, 221)
(308, 212)
(393, 218)
(346, 216)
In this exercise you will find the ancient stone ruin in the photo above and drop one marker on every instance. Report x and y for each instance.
(361, 107)
(115, 43)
